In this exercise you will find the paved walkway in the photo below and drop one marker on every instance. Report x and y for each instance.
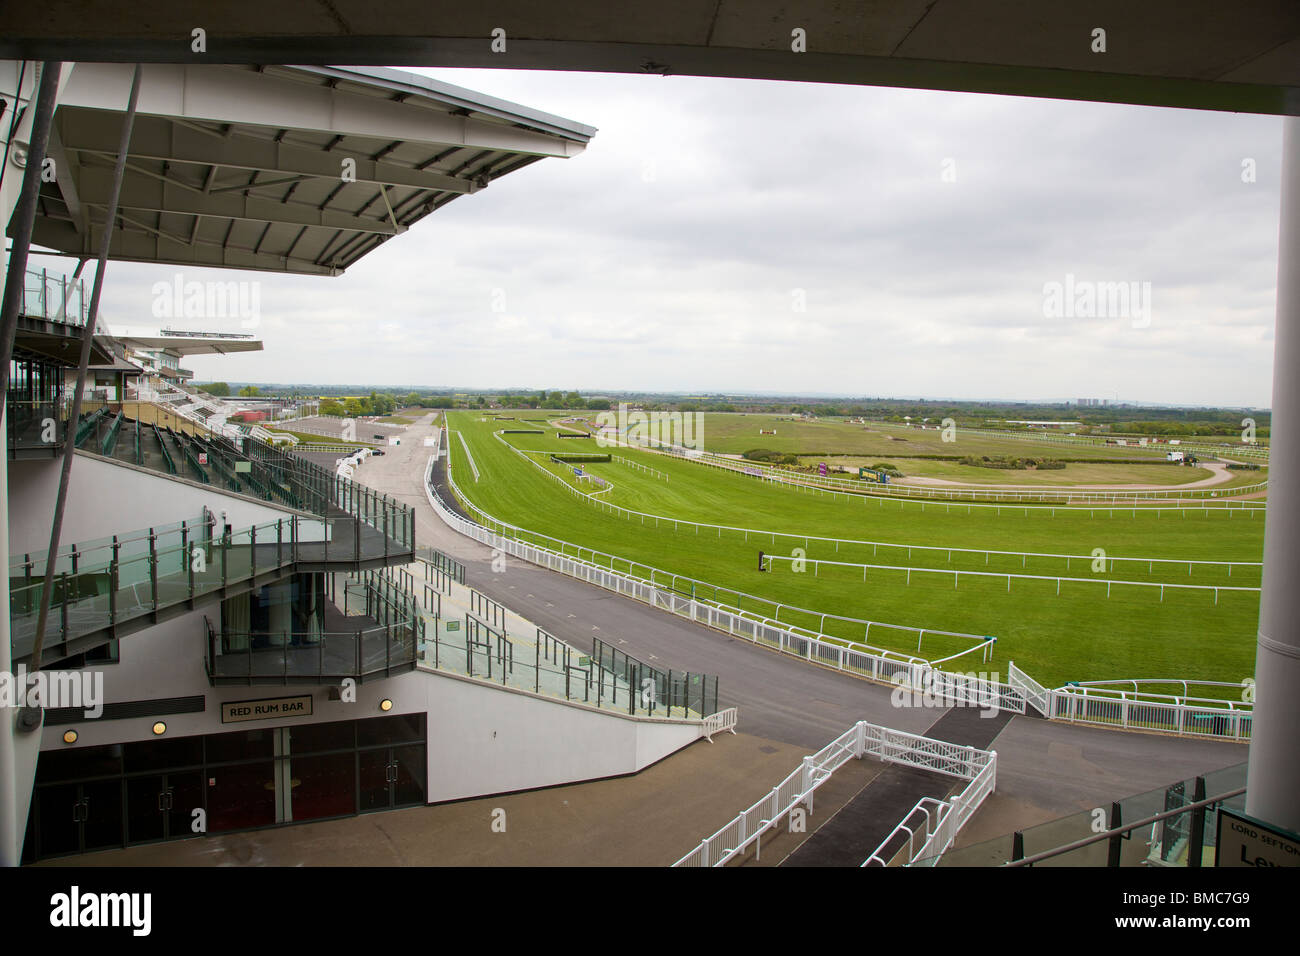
(651, 818)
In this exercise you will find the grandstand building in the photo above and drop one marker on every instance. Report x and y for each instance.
(238, 636)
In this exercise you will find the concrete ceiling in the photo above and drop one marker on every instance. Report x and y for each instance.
(1206, 54)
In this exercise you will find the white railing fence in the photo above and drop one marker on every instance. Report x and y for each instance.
(771, 810)
(861, 740)
(1141, 710)
(943, 820)
(1028, 688)
(722, 720)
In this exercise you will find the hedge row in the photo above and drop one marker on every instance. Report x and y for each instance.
(566, 459)
(1011, 463)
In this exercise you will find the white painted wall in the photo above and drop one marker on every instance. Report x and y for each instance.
(107, 497)
(485, 739)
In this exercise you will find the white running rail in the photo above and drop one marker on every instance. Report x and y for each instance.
(468, 456)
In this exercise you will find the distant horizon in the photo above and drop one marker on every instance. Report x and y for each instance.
(700, 395)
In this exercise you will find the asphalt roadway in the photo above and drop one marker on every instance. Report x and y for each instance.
(1045, 768)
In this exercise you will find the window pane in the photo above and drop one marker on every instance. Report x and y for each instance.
(240, 745)
(385, 730)
(79, 762)
(313, 738)
(242, 796)
(163, 754)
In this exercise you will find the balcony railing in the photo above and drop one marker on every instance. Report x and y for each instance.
(323, 491)
(314, 658)
(37, 426)
(1174, 825)
(662, 690)
(106, 588)
(54, 297)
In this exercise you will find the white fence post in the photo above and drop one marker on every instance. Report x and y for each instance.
(806, 783)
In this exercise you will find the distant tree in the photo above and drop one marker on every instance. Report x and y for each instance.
(249, 391)
(329, 406)
(219, 389)
(554, 400)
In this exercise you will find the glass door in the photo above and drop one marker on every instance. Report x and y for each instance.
(161, 806)
(392, 777)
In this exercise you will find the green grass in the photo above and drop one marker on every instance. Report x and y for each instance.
(1079, 634)
(733, 433)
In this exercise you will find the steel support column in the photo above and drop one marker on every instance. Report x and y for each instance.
(24, 215)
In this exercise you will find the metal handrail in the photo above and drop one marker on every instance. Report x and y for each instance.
(1118, 831)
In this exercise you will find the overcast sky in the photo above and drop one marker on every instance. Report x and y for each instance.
(917, 230)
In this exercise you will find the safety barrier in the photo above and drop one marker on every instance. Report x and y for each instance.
(1130, 710)
(950, 816)
(1008, 575)
(861, 740)
(723, 720)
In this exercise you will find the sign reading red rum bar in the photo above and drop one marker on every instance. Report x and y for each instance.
(267, 709)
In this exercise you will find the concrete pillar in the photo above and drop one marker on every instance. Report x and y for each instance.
(1273, 780)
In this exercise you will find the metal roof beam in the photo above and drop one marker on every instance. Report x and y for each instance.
(250, 153)
(144, 244)
(142, 196)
